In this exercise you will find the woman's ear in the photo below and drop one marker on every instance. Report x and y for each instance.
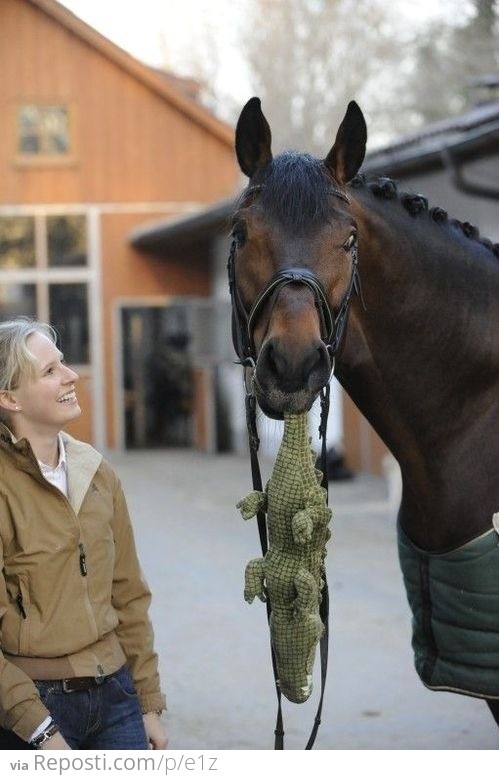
(8, 402)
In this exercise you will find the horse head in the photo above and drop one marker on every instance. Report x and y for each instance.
(293, 260)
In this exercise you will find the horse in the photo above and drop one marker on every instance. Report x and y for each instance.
(331, 272)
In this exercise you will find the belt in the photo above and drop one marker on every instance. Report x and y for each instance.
(76, 683)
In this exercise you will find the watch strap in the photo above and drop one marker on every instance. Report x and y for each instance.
(49, 731)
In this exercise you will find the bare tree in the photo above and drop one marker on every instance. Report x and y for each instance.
(309, 58)
(450, 58)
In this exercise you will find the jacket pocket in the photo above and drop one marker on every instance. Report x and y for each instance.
(23, 604)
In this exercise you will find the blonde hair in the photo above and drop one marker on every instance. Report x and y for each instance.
(16, 361)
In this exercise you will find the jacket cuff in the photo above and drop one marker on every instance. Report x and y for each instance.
(30, 720)
(153, 702)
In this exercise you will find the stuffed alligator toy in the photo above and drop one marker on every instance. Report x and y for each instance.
(290, 573)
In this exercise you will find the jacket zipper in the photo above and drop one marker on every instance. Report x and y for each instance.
(83, 561)
(20, 603)
(82, 556)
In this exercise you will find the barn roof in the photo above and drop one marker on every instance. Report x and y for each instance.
(474, 133)
(167, 87)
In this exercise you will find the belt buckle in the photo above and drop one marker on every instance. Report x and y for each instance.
(100, 675)
(66, 687)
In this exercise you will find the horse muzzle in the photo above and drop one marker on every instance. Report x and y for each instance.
(288, 380)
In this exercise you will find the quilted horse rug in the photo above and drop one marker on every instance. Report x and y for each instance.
(454, 598)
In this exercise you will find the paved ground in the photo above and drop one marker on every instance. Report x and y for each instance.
(213, 647)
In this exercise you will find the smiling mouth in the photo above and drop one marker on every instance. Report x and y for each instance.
(67, 398)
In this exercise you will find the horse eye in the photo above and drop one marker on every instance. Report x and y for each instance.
(239, 234)
(349, 244)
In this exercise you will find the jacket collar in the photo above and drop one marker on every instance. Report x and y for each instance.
(82, 461)
(6, 435)
(82, 464)
(19, 449)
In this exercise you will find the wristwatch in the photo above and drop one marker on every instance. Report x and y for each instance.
(49, 731)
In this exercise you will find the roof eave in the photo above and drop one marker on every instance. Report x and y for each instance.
(430, 153)
(140, 71)
(165, 235)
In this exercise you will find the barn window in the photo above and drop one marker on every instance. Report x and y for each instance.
(68, 314)
(17, 299)
(67, 241)
(17, 242)
(43, 130)
(45, 273)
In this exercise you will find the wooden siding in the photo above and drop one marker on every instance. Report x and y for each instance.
(128, 143)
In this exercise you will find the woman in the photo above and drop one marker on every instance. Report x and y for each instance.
(77, 666)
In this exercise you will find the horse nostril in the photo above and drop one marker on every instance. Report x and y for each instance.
(307, 368)
(310, 362)
(316, 368)
(276, 361)
(311, 365)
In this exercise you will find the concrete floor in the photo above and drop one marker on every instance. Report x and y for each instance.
(214, 648)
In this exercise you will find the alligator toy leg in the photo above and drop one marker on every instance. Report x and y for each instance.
(251, 504)
(254, 581)
(304, 522)
(307, 594)
(302, 526)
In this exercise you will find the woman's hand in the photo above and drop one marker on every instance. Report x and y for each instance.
(155, 731)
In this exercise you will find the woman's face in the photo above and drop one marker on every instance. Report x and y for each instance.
(46, 399)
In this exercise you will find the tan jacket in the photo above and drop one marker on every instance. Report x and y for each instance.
(73, 601)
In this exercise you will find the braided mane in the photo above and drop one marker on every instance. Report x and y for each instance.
(417, 205)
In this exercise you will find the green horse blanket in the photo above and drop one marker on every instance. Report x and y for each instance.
(454, 598)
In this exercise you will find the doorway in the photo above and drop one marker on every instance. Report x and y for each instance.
(158, 377)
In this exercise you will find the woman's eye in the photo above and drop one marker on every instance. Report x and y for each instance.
(349, 244)
(239, 234)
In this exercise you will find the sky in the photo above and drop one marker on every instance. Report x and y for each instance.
(145, 27)
(164, 32)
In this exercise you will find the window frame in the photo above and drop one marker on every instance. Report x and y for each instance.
(24, 159)
(43, 275)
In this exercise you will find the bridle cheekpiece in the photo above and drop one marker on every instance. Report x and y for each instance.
(332, 324)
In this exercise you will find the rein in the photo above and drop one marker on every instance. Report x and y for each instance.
(332, 332)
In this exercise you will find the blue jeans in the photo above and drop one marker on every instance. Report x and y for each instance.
(107, 716)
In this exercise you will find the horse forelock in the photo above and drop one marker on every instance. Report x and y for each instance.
(294, 188)
(295, 191)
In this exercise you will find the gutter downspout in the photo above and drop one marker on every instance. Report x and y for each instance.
(459, 181)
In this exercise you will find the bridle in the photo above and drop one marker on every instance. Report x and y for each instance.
(332, 326)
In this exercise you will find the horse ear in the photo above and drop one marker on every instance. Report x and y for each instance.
(347, 153)
(253, 138)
